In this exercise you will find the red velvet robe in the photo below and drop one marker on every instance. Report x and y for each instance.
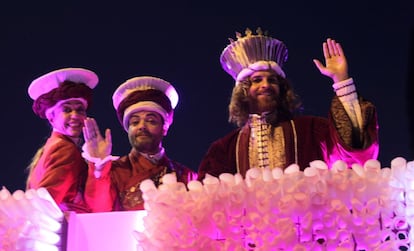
(328, 139)
(117, 188)
(62, 171)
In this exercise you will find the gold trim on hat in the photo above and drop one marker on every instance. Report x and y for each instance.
(247, 50)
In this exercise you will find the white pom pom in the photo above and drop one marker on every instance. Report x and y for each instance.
(4, 193)
(318, 164)
(227, 178)
(339, 166)
(210, 179)
(238, 178)
(267, 174)
(398, 162)
(277, 173)
(358, 169)
(147, 185)
(195, 185)
(410, 166)
(372, 164)
(169, 178)
(310, 172)
(293, 168)
(386, 172)
(253, 173)
(18, 195)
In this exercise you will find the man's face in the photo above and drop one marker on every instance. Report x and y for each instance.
(146, 131)
(67, 118)
(263, 91)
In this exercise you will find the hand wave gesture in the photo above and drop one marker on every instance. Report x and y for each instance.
(336, 64)
(95, 145)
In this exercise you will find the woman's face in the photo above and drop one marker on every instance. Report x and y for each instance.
(67, 118)
(263, 91)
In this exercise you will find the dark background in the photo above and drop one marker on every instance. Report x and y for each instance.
(181, 43)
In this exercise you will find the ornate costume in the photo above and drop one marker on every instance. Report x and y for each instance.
(62, 171)
(145, 107)
(118, 187)
(272, 136)
(303, 139)
(58, 165)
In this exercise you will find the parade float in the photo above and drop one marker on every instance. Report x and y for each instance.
(367, 207)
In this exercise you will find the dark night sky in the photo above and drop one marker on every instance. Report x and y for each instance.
(182, 44)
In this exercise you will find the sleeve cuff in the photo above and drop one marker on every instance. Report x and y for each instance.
(98, 162)
(343, 84)
(345, 90)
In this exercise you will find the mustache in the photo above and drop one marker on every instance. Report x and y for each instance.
(269, 92)
(143, 133)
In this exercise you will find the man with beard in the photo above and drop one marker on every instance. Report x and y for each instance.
(62, 97)
(145, 108)
(270, 132)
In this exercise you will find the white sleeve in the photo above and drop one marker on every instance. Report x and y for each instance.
(98, 163)
(346, 92)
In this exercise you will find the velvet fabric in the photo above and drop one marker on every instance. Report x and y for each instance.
(118, 188)
(307, 138)
(62, 171)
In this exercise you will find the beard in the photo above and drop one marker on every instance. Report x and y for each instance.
(262, 104)
(145, 144)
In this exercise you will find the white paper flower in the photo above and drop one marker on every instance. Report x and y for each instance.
(29, 220)
(368, 207)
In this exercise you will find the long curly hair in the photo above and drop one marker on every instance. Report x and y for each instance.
(289, 103)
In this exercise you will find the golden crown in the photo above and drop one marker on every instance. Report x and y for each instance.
(251, 48)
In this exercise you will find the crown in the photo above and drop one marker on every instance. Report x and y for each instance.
(253, 52)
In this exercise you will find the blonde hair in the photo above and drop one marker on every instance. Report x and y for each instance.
(33, 163)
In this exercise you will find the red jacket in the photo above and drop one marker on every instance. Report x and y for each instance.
(62, 171)
(118, 187)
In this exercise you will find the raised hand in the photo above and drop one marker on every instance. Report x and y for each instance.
(336, 64)
(95, 145)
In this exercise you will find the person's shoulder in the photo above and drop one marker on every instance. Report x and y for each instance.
(305, 122)
(60, 143)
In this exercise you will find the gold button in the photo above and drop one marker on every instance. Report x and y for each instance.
(132, 189)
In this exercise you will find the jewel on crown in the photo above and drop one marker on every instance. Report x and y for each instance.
(253, 52)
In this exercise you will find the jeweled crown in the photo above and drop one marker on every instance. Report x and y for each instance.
(250, 49)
